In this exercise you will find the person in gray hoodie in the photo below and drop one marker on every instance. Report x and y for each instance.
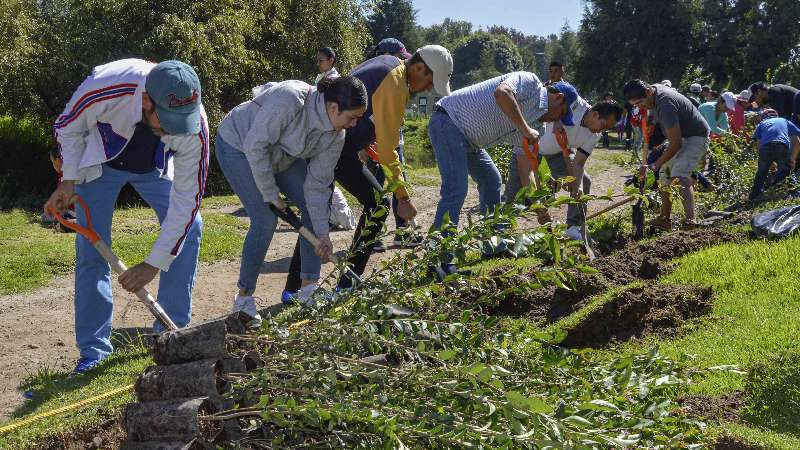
(287, 140)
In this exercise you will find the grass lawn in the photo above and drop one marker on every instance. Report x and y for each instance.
(53, 390)
(31, 255)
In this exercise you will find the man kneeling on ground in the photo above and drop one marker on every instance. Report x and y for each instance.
(582, 137)
(687, 133)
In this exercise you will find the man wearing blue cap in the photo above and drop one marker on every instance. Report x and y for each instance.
(502, 110)
(133, 121)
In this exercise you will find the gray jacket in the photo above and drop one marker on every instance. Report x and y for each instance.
(287, 122)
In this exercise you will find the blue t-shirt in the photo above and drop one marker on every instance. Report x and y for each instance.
(776, 129)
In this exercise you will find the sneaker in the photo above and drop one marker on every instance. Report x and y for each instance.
(574, 232)
(378, 247)
(247, 304)
(288, 297)
(84, 365)
(407, 240)
(304, 295)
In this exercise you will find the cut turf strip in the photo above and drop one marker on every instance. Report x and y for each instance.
(636, 261)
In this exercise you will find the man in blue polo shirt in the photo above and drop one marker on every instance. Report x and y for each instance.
(774, 137)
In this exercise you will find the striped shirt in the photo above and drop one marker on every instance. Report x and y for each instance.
(476, 113)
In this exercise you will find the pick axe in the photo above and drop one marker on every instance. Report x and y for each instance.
(89, 233)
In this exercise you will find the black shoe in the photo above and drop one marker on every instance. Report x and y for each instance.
(378, 247)
(406, 240)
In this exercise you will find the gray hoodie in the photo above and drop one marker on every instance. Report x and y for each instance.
(287, 122)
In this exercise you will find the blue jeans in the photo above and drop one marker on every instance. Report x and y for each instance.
(93, 300)
(262, 221)
(456, 159)
(768, 153)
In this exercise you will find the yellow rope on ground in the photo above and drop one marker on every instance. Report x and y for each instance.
(64, 409)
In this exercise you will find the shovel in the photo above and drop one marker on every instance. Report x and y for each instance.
(291, 218)
(117, 266)
(637, 211)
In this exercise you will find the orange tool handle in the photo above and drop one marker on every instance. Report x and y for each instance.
(116, 264)
(533, 156)
(87, 231)
(373, 154)
(563, 142)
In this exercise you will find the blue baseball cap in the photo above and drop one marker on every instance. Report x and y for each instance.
(392, 46)
(570, 96)
(175, 89)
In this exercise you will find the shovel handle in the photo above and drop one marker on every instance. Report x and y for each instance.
(611, 207)
(89, 233)
(291, 218)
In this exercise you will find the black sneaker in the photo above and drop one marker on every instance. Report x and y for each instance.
(378, 247)
(407, 240)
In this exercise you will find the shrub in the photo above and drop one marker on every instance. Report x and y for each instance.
(773, 393)
(26, 174)
(418, 149)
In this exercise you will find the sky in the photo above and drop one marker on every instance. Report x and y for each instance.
(539, 17)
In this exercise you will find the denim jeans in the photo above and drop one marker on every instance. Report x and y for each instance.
(93, 299)
(768, 153)
(456, 159)
(262, 221)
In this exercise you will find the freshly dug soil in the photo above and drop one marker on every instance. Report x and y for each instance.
(633, 262)
(106, 435)
(653, 308)
(723, 408)
(726, 442)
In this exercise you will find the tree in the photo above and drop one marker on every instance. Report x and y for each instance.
(483, 56)
(394, 19)
(624, 39)
(445, 34)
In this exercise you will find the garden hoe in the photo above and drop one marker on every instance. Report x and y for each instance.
(374, 181)
(291, 218)
(117, 266)
(638, 208)
(533, 175)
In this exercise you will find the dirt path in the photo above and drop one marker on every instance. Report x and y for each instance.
(36, 329)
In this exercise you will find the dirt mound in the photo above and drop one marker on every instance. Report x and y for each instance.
(635, 261)
(725, 407)
(108, 434)
(727, 442)
(651, 259)
(640, 311)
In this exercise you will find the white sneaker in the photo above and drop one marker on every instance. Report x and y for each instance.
(574, 233)
(246, 304)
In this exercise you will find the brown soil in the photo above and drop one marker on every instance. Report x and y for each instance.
(723, 408)
(660, 308)
(633, 262)
(106, 435)
(727, 442)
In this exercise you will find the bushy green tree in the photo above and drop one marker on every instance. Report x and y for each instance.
(482, 56)
(394, 19)
(446, 34)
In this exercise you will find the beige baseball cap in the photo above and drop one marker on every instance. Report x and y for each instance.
(730, 100)
(438, 59)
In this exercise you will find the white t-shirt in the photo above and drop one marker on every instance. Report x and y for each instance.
(577, 135)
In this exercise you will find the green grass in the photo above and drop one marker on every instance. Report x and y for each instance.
(53, 390)
(755, 317)
(31, 255)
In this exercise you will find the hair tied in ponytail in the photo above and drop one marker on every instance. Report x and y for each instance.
(347, 92)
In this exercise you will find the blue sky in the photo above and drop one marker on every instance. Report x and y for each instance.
(538, 17)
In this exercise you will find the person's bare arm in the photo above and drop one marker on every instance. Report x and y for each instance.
(795, 151)
(523, 169)
(504, 96)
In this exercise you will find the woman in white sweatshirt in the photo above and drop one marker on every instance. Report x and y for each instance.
(287, 140)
